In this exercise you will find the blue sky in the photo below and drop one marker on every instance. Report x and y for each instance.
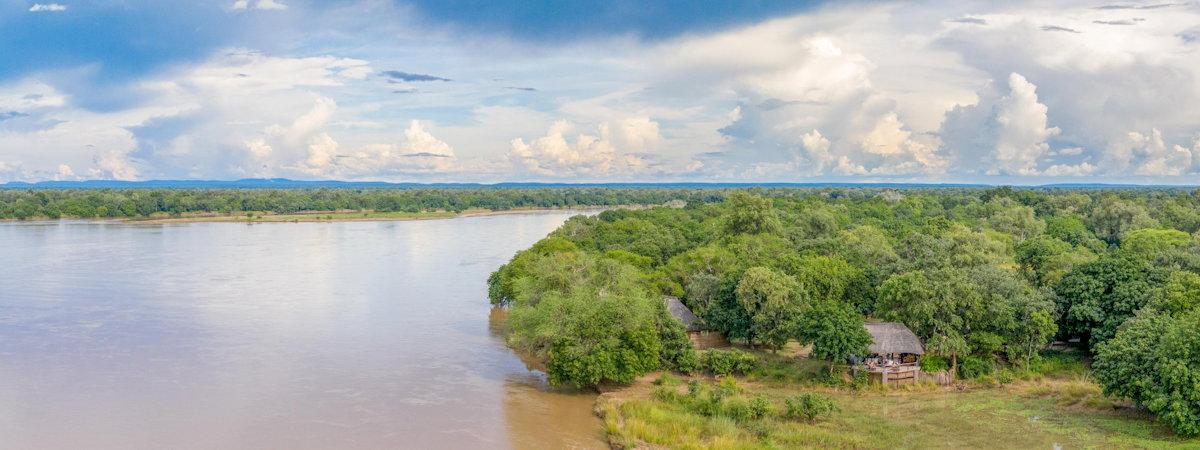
(1019, 92)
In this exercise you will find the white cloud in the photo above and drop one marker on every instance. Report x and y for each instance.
(1004, 133)
(559, 155)
(1148, 154)
(858, 92)
(418, 152)
(1100, 83)
(114, 165)
(269, 5)
(241, 5)
(47, 7)
(791, 83)
(65, 173)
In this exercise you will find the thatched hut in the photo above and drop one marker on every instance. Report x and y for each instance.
(894, 352)
(698, 333)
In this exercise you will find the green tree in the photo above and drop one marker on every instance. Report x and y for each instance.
(772, 301)
(1148, 243)
(1154, 360)
(1095, 298)
(1180, 294)
(1045, 259)
(934, 310)
(751, 214)
(835, 330)
(1112, 217)
(1072, 230)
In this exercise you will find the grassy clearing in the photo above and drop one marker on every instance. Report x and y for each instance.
(1052, 404)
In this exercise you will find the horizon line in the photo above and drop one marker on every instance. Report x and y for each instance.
(293, 183)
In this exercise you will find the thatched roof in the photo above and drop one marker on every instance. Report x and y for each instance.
(892, 337)
(681, 312)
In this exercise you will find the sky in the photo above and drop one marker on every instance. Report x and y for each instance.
(595, 91)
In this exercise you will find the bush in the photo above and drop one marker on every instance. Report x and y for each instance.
(666, 379)
(724, 399)
(934, 363)
(728, 362)
(1005, 376)
(809, 407)
(975, 367)
(861, 380)
(1059, 364)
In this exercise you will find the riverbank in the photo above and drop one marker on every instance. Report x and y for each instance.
(332, 216)
(1059, 410)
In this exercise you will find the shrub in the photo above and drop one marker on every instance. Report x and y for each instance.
(723, 399)
(666, 379)
(687, 362)
(861, 380)
(728, 362)
(1005, 376)
(1058, 364)
(809, 407)
(934, 363)
(759, 407)
(974, 367)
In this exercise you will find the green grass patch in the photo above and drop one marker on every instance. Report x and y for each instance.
(1050, 402)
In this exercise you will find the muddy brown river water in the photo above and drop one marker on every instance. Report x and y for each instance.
(286, 335)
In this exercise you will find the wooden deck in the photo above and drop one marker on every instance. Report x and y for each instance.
(904, 373)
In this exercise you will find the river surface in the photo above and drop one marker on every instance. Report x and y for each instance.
(285, 335)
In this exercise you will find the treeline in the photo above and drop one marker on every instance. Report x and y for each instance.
(986, 278)
(100, 203)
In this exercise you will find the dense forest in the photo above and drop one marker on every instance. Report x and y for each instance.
(129, 203)
(987, 278)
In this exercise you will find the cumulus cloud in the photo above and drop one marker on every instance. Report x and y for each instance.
(268, 5)
(926, 91)
(613, 151)
(48, 7)
(1148, 154)
(817, 89)
(1005, 133)
(305, 146)
(418, 152)
(1099, 86)
(114, 165)
(65, 172)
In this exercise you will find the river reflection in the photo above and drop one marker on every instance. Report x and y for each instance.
(309, 335)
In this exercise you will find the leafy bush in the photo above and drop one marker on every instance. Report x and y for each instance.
(724, 399)
(809, 407)
(861, 380)
(688, 362)
(975, 367)
(1153, 361)
(1005, 376)
(728, 362)
(1058, 364)
(934, 363)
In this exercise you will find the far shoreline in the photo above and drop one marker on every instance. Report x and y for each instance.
(326, 216)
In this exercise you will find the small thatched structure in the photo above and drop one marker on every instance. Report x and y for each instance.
(681, 312)
(893, 352)
(700, 335)
(891, 338)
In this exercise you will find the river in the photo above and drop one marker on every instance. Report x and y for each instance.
(282, 335)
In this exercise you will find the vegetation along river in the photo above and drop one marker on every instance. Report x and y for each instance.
(282, 335)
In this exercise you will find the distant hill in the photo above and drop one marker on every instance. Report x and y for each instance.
(284, 183)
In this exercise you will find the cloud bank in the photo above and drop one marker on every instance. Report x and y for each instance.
(934, 91)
